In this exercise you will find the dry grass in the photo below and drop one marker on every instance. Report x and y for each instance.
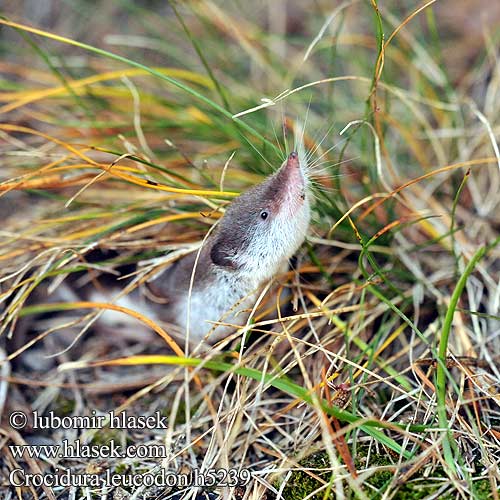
(379, 378)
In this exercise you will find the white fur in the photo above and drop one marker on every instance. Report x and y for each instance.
(118, 319)
(218, 302)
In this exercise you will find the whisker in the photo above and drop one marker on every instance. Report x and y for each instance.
(261, 155)
(324, 167)
(327, 165)
(304, 125)
(318, 144)
(277, 140)
(323, 189)
(284, 129)
(327, 151)
(317, 160)
(327, 176)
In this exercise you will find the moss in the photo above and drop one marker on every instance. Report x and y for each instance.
(63, 407)
(482, 490)
(301, 484)
(105, 436)
(122, 468)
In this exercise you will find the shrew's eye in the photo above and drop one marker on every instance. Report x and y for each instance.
(264, 214)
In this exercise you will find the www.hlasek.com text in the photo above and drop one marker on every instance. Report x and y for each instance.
(78, 450)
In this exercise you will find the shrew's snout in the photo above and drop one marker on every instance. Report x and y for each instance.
(292, 173)
(293, 160)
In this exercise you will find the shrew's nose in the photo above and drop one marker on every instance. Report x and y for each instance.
(293, 160)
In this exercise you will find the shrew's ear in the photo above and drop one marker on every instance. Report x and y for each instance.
(223, 255)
